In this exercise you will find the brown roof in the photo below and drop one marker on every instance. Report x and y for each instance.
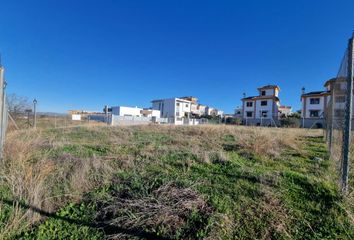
(269, 87)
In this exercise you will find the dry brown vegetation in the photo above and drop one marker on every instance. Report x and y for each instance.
(50, 168)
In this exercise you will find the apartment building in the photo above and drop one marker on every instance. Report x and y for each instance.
(262, 109)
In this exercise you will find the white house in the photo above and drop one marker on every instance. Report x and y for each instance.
(127, 111)
(285, 110)
(177, 110)
(314, 104)
(262, 109)
(147, 112)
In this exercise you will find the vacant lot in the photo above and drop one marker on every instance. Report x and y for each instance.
(206, 182)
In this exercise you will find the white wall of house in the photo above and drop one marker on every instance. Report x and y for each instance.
(126, 111)
(248, 109)
(313, 107)
(268, 92)
(268, 108)
(172, 108)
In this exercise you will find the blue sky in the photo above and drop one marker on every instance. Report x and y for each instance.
(85, 54)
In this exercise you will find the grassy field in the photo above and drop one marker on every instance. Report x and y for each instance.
(165, 182)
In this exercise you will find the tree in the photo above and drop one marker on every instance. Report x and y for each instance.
(17, 104)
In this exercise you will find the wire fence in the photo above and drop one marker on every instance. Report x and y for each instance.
(338, 116)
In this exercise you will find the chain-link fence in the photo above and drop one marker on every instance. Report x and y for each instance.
(338, 115)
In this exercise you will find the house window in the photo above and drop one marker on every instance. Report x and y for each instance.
(263, 93)
(314, 101)
(249, 104)
(264, 103)
(249, 114)
(264, 114)
(314, 113)
(177, 114)
(186, 105)
(177, 104)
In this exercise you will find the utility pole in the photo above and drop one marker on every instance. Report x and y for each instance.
(34, 113)
(348, 120)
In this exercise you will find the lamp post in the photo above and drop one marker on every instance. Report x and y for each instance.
(34, 113)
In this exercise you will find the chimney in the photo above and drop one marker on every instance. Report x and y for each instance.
(303, 90)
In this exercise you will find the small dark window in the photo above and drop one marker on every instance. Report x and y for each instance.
(264, 114)
(314, 113)
(177, 104)
(314, 101)
(264, 103)
(249, 104)
(186, 105)
(263, 93)
(249, 114)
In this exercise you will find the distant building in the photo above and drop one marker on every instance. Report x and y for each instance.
(127, 111)
(175, 109)
(285, 110)
(314, 105)
(238, 112)
(262, 109)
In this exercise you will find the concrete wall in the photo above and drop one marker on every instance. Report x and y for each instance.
(260, 122)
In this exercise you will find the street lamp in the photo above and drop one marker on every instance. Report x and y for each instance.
(34, 113)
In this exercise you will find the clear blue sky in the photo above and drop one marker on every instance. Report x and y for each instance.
(85, 54)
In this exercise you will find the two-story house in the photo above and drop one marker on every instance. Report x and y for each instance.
(262, 109)
(315, 104)
(177, 110)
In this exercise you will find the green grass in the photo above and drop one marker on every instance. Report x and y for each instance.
(248, 196)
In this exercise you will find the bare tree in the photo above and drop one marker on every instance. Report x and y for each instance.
(17, 104)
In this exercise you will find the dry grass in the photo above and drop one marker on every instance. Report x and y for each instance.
(166, 208)
(37, 177)
(33, 177)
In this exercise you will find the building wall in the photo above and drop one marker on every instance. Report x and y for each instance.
(248, 109)
(268, 108)
(166, 106)
(169, 108)
(269, 92)
(310, 107)
(126, 111)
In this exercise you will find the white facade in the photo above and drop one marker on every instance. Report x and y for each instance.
(175, 109)
(76, 117)
(265, 106)
(311, 104)
(265, 111)
(127, 111)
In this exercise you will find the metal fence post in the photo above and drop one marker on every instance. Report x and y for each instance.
(34, 113)
(2, 115)
(348, 120)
